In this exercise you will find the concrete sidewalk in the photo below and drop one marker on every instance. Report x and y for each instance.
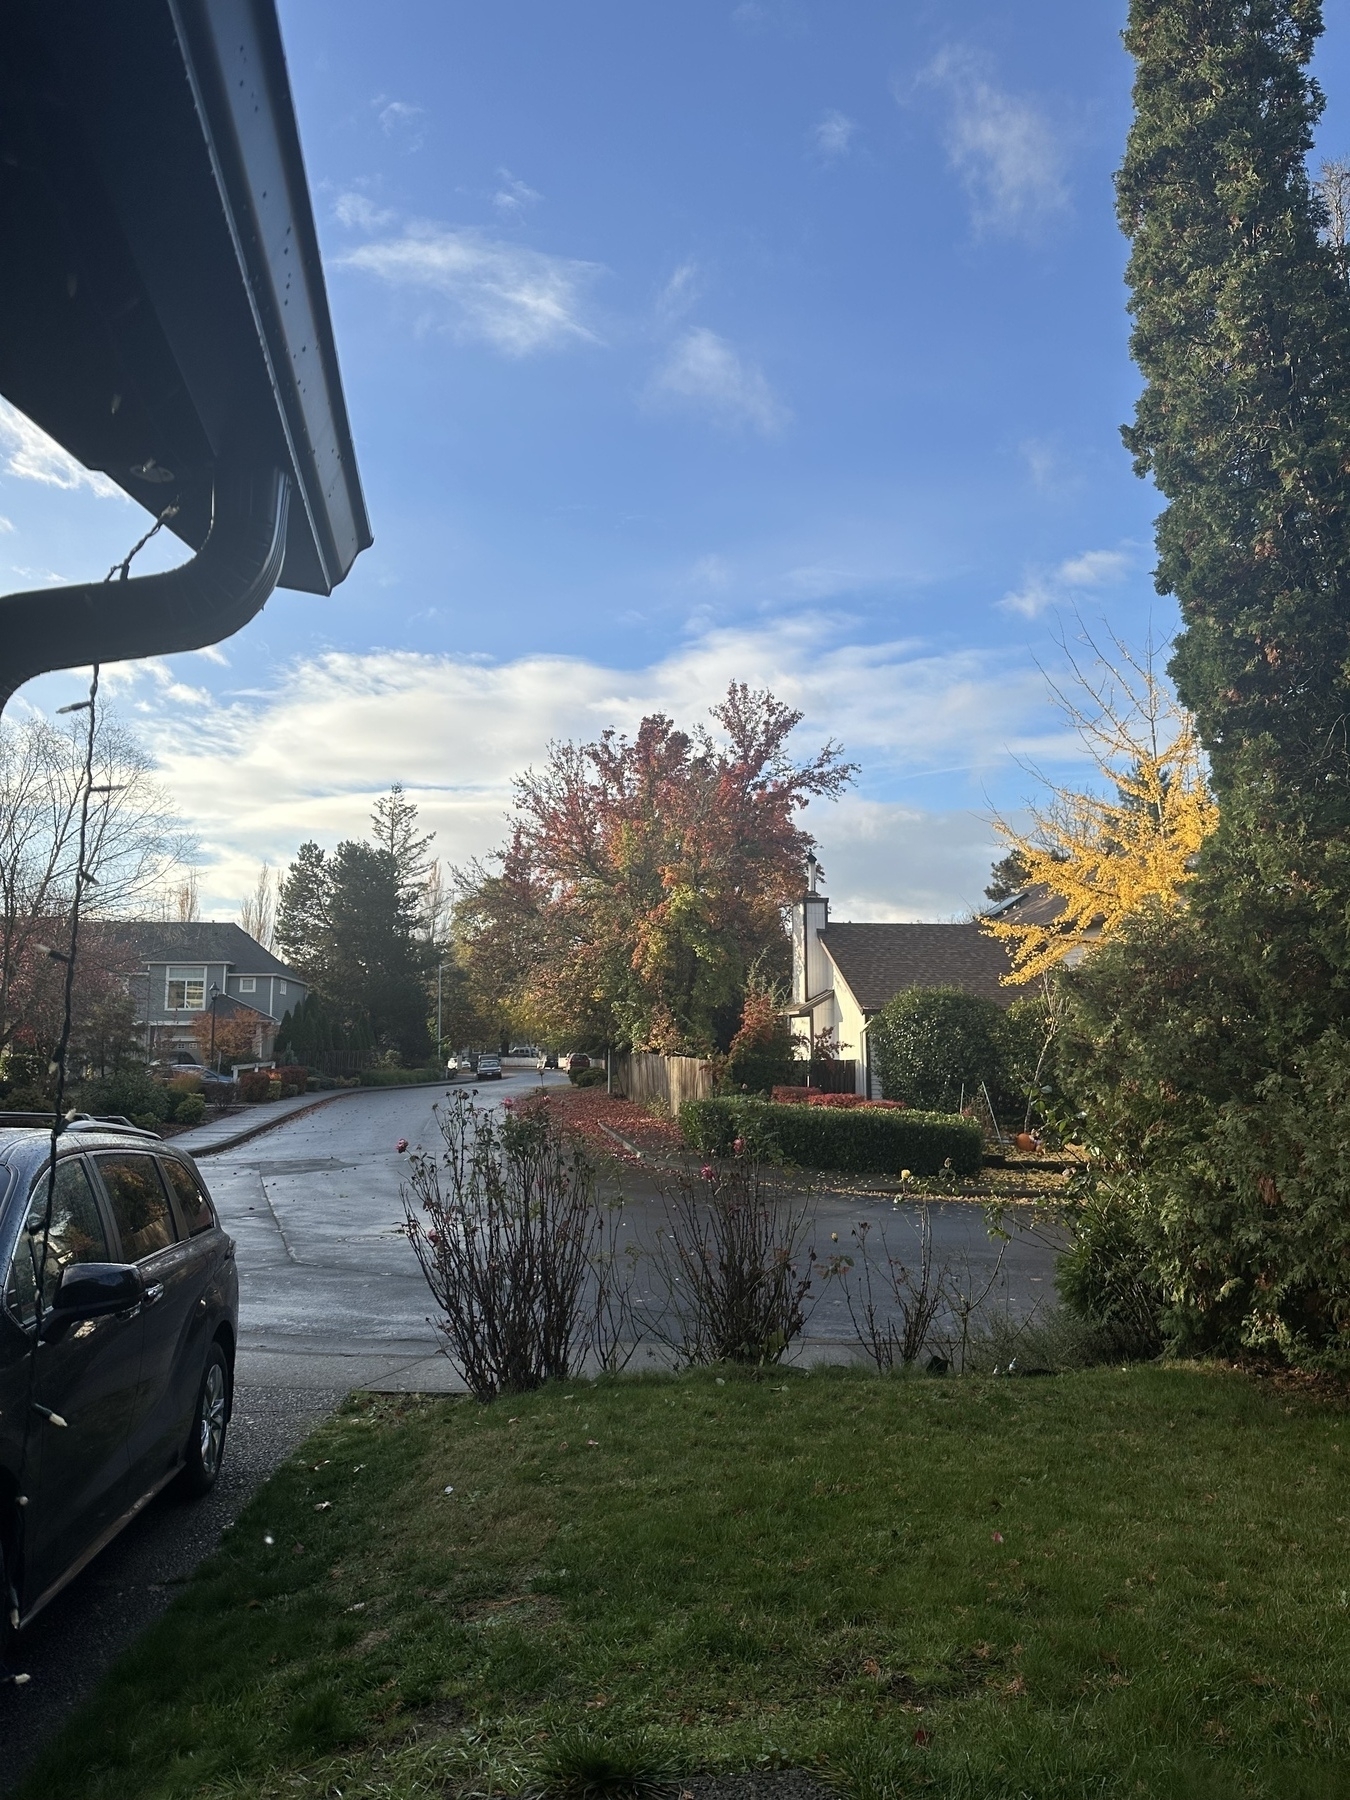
(237, 1128)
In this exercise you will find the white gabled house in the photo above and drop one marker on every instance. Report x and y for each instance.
(843, 974)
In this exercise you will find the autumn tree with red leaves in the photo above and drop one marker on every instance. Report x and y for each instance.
(643, 878)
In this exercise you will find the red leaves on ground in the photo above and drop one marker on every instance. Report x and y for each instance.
(587, 1110)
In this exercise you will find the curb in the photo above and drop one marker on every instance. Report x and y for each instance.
(253, 1131)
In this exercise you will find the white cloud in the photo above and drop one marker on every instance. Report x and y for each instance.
(518, 300)
(401, 120)
(31, 455)
(359, 212)
(834, 134)
(884, 860)
(513, 196)
(314, 751)
(6, 524)
(1002, 147)
(1087, 573)
(702, 371)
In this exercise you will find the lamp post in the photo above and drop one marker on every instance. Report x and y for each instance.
(215, 995)
(440, 1048)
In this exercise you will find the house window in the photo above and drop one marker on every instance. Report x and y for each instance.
(248, 984)
(281, 987)
(185, 990)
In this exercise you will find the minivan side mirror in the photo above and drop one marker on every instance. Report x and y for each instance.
(92, 1291)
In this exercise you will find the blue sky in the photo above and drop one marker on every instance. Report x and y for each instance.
(782, 340)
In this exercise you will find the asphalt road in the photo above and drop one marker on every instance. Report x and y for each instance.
(332, 1299)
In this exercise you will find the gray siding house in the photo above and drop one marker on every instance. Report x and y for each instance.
(181, 971)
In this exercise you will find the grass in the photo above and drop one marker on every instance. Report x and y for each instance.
(1114, 1583)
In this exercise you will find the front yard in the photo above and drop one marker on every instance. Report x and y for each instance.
(1114, 1583)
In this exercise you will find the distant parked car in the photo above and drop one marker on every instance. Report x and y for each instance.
(489, 1066)
(209, 1078)
(116, 1345)
(548, 1059)
(575, 1063)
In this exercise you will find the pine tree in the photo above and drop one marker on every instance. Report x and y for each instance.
(393, 826)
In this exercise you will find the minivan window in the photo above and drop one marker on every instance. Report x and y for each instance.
(140, 1205)
(192, 1202)
(76, 1236)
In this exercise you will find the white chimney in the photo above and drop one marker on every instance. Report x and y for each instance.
(810, 969)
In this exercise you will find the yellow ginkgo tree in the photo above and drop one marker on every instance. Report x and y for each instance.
(1104, 854)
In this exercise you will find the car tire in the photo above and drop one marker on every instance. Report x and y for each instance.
(210, 1424)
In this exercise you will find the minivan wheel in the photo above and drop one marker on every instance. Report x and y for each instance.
(210, 1422)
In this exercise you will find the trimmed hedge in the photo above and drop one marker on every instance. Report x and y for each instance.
(863, 1139)
(385, 1077)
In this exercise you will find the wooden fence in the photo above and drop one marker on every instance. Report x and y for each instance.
(674, 1079)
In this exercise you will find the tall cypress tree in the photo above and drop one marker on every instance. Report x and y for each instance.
(1242, 329)
(1212, 1047)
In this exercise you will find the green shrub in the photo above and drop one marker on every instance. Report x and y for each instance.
(864, 1139)
(930, 1044)
(1109, 1276)
(190, 1109)
(595, 1076)
(131, 1093)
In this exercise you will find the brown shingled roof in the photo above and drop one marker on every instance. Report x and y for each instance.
(878, 961)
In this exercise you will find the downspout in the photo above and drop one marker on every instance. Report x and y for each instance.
(187, 608)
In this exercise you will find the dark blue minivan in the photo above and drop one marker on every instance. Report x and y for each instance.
(116, 1375)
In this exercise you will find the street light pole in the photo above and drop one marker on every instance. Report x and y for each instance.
(440, 1047)
(215, 995)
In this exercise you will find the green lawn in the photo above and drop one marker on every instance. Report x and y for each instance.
(1129, 1583)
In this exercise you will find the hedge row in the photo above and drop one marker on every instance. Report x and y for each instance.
(384, 1077)
(865, 1139)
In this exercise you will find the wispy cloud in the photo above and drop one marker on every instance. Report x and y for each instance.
(517, 300)
(1003, 148)
(1077, 575)
(514, 195)
(359, 212)
(834, 134)
(401, 121)
(31, 455)
(682, 291)
(6, 524)
(703, 372)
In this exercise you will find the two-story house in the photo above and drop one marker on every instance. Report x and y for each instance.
(183, 971)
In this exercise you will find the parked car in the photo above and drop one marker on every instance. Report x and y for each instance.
(489, 1066)
(548, 1059)
(123, 1341)
(575, 1062)
(209, 1078)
